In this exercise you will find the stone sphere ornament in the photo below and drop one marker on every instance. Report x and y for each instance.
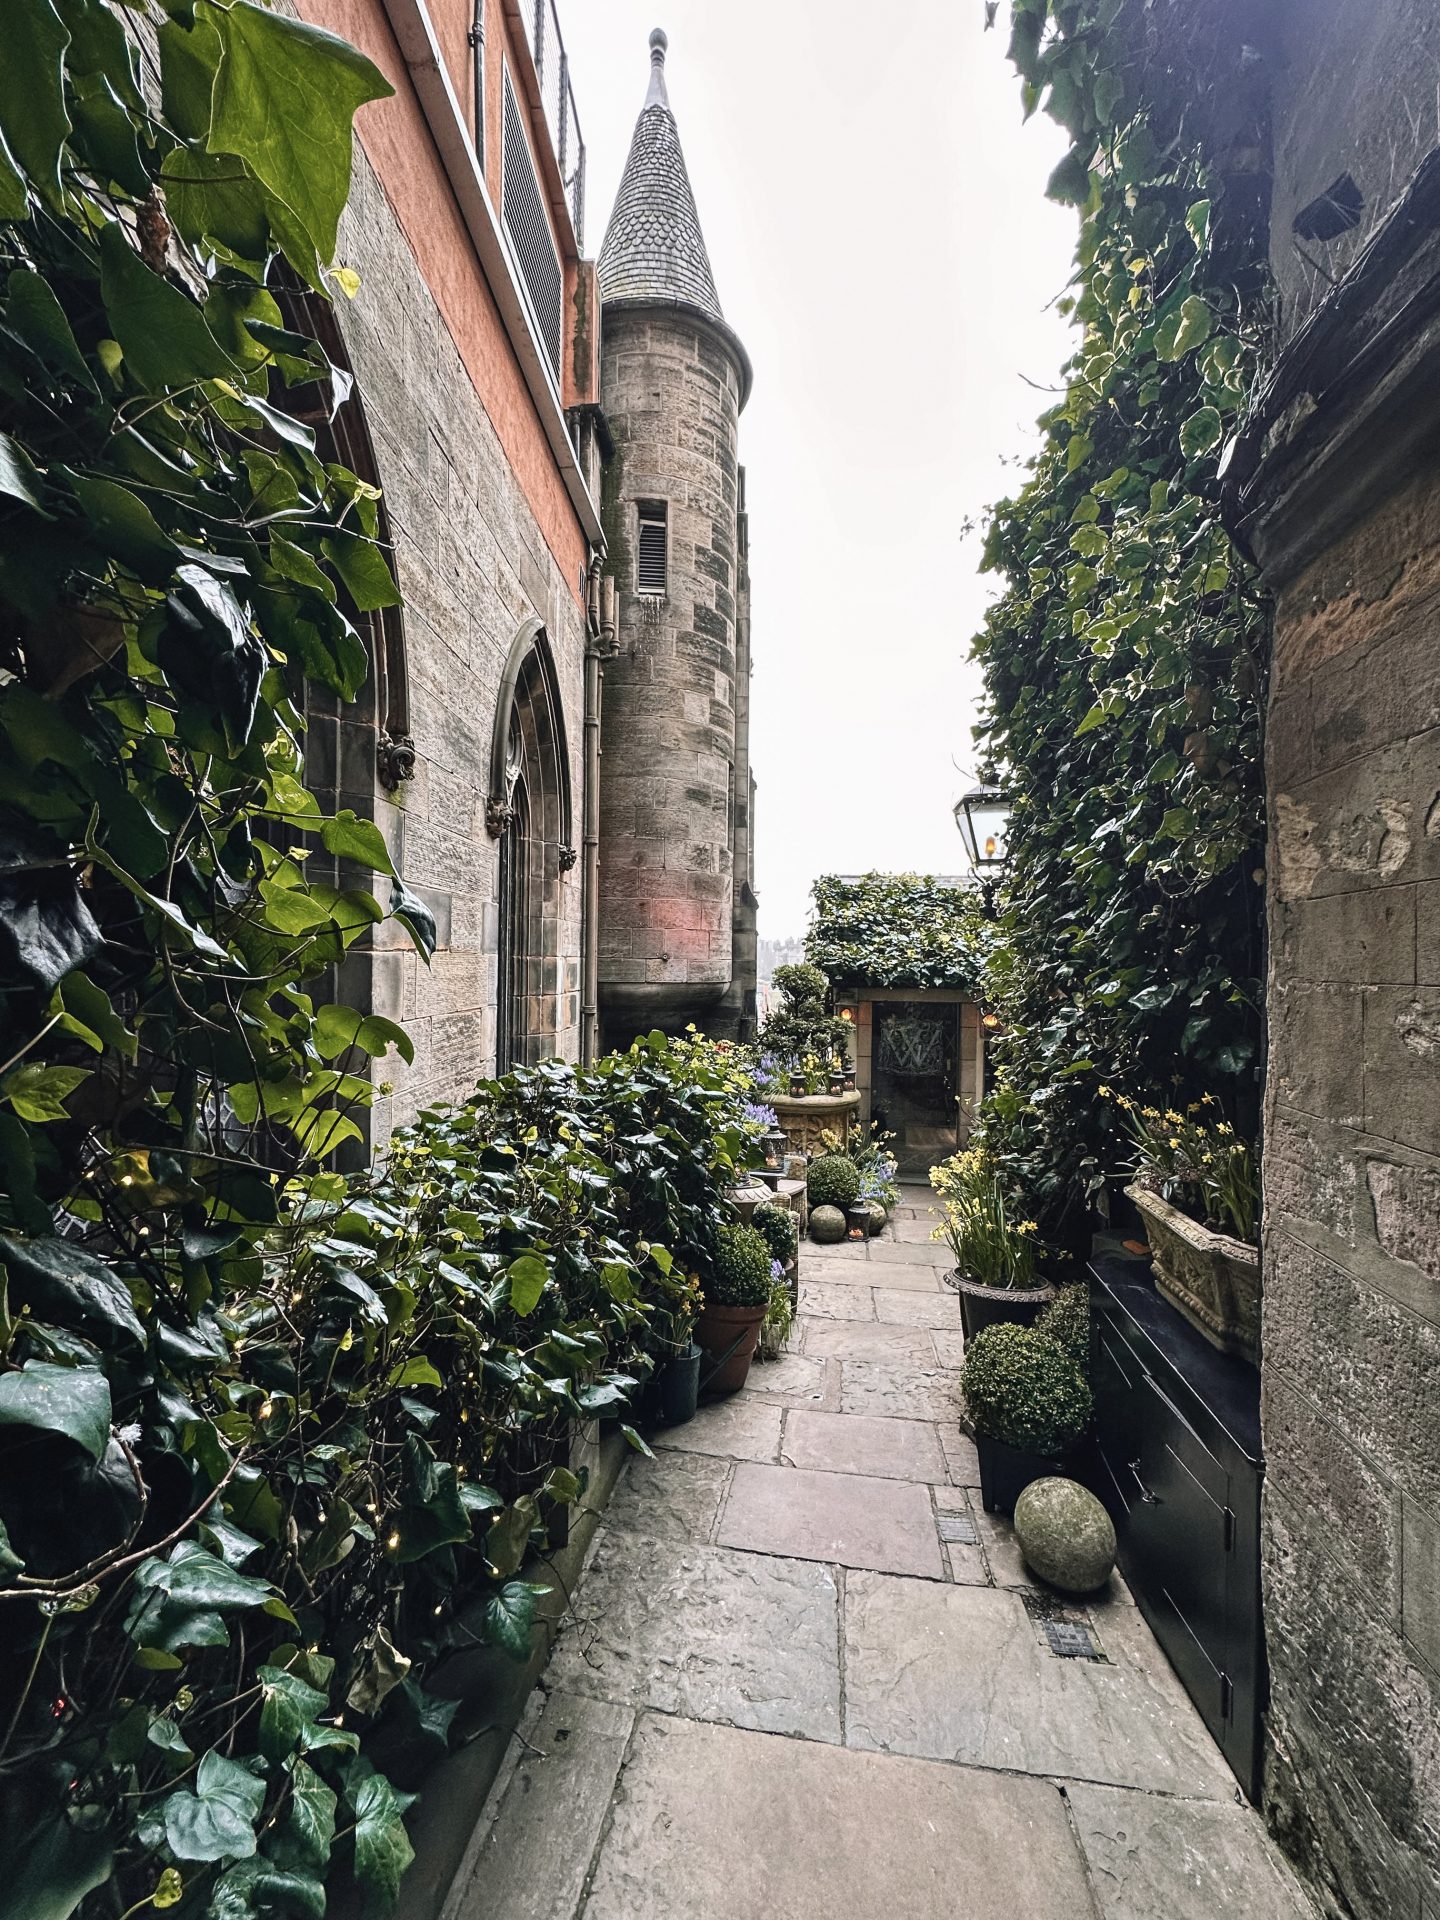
(827, 1225)
(1065, 1534)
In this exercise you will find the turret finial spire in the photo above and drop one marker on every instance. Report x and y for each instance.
(657, 96)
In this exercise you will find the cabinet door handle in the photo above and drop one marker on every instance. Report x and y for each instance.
(1150, 1499)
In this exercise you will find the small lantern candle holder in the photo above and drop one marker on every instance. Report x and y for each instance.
(837, 1080)
(849, 1079)
(797, 1083)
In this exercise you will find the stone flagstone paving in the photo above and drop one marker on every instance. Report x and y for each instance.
(801, 1677)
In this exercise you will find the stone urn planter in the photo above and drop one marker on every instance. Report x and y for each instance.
(1210, 1278)
(806, 1116)
(982, 1306)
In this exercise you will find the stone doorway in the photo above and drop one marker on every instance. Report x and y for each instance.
(914, 1080)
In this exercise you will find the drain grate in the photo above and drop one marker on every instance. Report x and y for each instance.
(1068, 1641)
(960, 1529)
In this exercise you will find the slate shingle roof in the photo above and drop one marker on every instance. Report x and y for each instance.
(654, 249)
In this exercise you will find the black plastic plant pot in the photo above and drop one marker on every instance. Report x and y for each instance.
(680, 1387)
(857, 1219)
(982, 1306)
(1006, 1471)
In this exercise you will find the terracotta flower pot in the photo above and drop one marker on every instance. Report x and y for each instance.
(728, 1337)
(982, 1306)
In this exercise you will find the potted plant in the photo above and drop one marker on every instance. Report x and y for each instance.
(779, 1315)
(995, 1272)
(678, 1377)
(1196, 1189)
(781, 1231)
(833, 1181)
(737, 1298)
(1029, 1404)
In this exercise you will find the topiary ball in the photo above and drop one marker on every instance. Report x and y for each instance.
(1065, 1534)
(833, 1181)
(741, 1273)
(780, 1228)
(1024, 1389)
(1066, 1321)
(827, 1225)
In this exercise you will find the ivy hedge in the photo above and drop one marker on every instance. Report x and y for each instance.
(897, 930)
(272, 1440)
(1125, 658)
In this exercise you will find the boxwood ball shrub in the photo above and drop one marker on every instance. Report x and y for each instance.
(1026, 1390)
(1066, 1321)
(780, 1228)
(740, 1275)
(833, 1181)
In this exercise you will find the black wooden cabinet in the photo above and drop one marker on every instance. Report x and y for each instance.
(1178, 1438)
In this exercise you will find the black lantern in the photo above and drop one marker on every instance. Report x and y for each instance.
(983, 817)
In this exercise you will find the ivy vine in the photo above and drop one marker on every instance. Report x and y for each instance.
(1125, 659)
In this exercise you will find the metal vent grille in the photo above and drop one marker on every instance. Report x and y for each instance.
(651, 550)
(529, 230)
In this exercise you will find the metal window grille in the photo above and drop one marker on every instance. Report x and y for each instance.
(523, 206)
(652, 548)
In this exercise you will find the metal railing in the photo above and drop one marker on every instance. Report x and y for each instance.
(552, 64)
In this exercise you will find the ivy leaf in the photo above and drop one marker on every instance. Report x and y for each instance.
(350, 838)
(62, 1282)
(285, 96)
(1185, 330)
(199, 1578)
(308, 1832)
(18, 477)
(1201, 432)
(362, 566)
(509, 1537)
(288, 1707)
(217, 1821)
(208, 649)
(528, 1276)
(508, 1617)
(49, 1867)
(38, 1093)
(74, 1401)
(415, 917)
(127, 526)
(86, 1012)
(1070, 181)
(1096, 717)
(254, 1887)
(14, 201)
(161, 331)
(337, 1028)
(32, 311)
(32, 93)
(1197, 223)
(382, 1846)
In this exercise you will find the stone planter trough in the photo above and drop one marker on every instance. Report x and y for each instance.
(1210, 1278)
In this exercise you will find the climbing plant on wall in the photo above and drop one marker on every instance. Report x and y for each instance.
(897, 930)
(1124, 660)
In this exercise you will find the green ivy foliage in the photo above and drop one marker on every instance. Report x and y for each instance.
(1124, 660)
(265, 1433)
(897, 930)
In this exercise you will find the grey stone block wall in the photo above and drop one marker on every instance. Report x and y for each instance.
(671, 392)
(472, 563)
(1351, 1377)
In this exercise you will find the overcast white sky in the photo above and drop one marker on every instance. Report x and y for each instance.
(876, 220)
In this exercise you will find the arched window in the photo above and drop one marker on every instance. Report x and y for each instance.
(528, 812)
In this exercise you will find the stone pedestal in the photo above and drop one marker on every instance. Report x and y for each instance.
(806, 1116)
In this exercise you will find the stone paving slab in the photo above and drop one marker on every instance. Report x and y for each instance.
(1180, 1859)
(845, 1518)
(710, 1822)
(857, 1443)
(927, 1253)
(918, 1277)
(830, 1302)
(916, 1228)
(916, 1307)
(961, 1459)
(900, 1393)
(743, 1427)
(958, 1673)
(798, 1380)
(949, 1345)
(831, 1271)
(675, 1496)
(869, 1340)
(532, 1862)
(708, 1632)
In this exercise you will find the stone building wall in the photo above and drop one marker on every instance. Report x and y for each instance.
(473, 564)
(671, 391)
(1351, 1376)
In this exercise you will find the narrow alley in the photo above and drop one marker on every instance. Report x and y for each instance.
(807, 1673)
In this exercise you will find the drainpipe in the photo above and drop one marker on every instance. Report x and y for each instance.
(476, 37)
(600, 647)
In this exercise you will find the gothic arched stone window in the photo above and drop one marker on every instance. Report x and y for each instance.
(528, 812)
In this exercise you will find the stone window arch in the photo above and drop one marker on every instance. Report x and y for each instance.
(528, 810)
